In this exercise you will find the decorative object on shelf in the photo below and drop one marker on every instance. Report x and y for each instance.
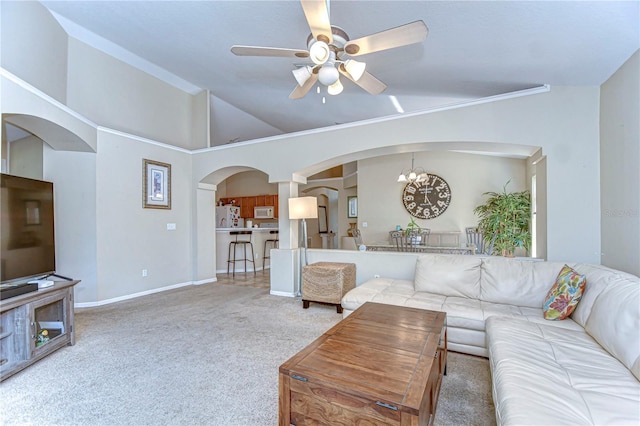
(504, 221)
(426, 198)
(352, 207)
(43, 337)
(156, 183)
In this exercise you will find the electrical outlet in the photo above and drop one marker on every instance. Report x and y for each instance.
(145, 272)
(365, 224)
(171, 226)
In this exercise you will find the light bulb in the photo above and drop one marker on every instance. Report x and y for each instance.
(302, 75)
(328, 74)
(319, 52)
(355, 68)
(402, 178)
(336, 88)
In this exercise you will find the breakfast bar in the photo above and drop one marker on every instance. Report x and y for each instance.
(258, 238)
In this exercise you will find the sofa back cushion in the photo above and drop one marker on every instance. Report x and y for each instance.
(614, 320)
(598, 278)
(448, 275)
(517, 282)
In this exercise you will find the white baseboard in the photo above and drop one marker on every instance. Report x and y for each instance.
(282, 293)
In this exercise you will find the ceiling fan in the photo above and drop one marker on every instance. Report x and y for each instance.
(327, 48)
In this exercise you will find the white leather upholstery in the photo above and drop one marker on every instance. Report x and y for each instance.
(521, 283)
(581, 370)
(545, 375)
(448, 275)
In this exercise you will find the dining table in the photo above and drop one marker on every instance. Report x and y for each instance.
(385, 246)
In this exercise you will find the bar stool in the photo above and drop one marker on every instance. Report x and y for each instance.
(233, 245)
(274, 242)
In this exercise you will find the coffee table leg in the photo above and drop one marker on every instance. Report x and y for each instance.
(305, 304)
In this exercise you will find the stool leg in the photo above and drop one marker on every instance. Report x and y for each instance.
(228, 258)
(253, 259)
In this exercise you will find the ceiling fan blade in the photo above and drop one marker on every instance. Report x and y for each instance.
(299, 92)
(368, 82)
(414, 32)
(268, 51)
(317, 14)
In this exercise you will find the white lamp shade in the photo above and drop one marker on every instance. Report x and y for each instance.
(402, 178)
(319, 52)
(336, 88)
(328, 74)
(302, 74)
(303, 208)
(355, 68)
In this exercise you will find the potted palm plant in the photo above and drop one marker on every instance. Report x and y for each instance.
(504, 220)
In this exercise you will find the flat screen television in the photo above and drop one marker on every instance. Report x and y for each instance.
(27, 243)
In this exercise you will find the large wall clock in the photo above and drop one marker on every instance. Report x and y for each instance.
(427, 199)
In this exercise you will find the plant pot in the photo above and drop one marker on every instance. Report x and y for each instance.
(507, 253)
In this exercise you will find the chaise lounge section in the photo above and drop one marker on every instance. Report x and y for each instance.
(584, 369)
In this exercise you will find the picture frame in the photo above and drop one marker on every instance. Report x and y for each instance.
(156, 184)
(352, 206)
(322, 220)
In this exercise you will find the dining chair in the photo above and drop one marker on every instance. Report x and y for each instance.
(475, 237)
(410, 241)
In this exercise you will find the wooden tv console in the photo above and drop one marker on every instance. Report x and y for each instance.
(34, 324)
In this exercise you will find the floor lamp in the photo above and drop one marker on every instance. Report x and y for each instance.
(303, 208)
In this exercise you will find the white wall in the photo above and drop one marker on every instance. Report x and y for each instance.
(26, 158)
(34, 46)
(121, 97)
(619, 165)
(131, 238)
(222, 113)
(468, 175)
(563, 122)
(74, 183)
(247, 184)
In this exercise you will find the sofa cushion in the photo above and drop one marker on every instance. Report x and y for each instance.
(381, 290)
(544, 374)
(614, 320)
(517, 282)
(448, 275)
(598, 278)
(564, 295)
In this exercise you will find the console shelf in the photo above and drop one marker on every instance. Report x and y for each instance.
(35, 324)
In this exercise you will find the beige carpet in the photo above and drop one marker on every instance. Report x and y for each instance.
(200, 355)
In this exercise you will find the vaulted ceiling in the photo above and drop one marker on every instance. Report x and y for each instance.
(474, 49)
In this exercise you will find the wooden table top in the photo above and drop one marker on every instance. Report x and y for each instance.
(380, 351)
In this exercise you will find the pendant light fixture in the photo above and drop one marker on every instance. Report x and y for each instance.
(413, 174)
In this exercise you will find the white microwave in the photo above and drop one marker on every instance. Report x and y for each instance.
(265, 212)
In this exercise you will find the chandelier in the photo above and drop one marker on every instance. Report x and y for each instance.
(413, 174)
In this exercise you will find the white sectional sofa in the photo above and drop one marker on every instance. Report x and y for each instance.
(581, 370)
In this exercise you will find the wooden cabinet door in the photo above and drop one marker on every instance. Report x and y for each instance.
(246, 209)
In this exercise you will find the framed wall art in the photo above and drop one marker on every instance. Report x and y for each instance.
(156, 184)
(352, 207)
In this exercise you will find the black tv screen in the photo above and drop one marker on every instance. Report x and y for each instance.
(27, 244)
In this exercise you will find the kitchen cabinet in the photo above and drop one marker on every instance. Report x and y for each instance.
(247, 204)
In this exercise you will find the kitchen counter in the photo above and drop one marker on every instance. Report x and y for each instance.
(258, 237)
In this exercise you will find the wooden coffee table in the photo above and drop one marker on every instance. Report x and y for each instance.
(382, 363)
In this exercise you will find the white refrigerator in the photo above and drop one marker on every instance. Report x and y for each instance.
(228, 217)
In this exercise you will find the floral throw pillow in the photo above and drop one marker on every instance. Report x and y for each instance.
(564, 295)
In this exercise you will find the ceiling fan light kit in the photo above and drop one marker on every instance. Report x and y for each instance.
(336, 88)
(302, 74)
(355, 68)
(319, 52)
(326, 44)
